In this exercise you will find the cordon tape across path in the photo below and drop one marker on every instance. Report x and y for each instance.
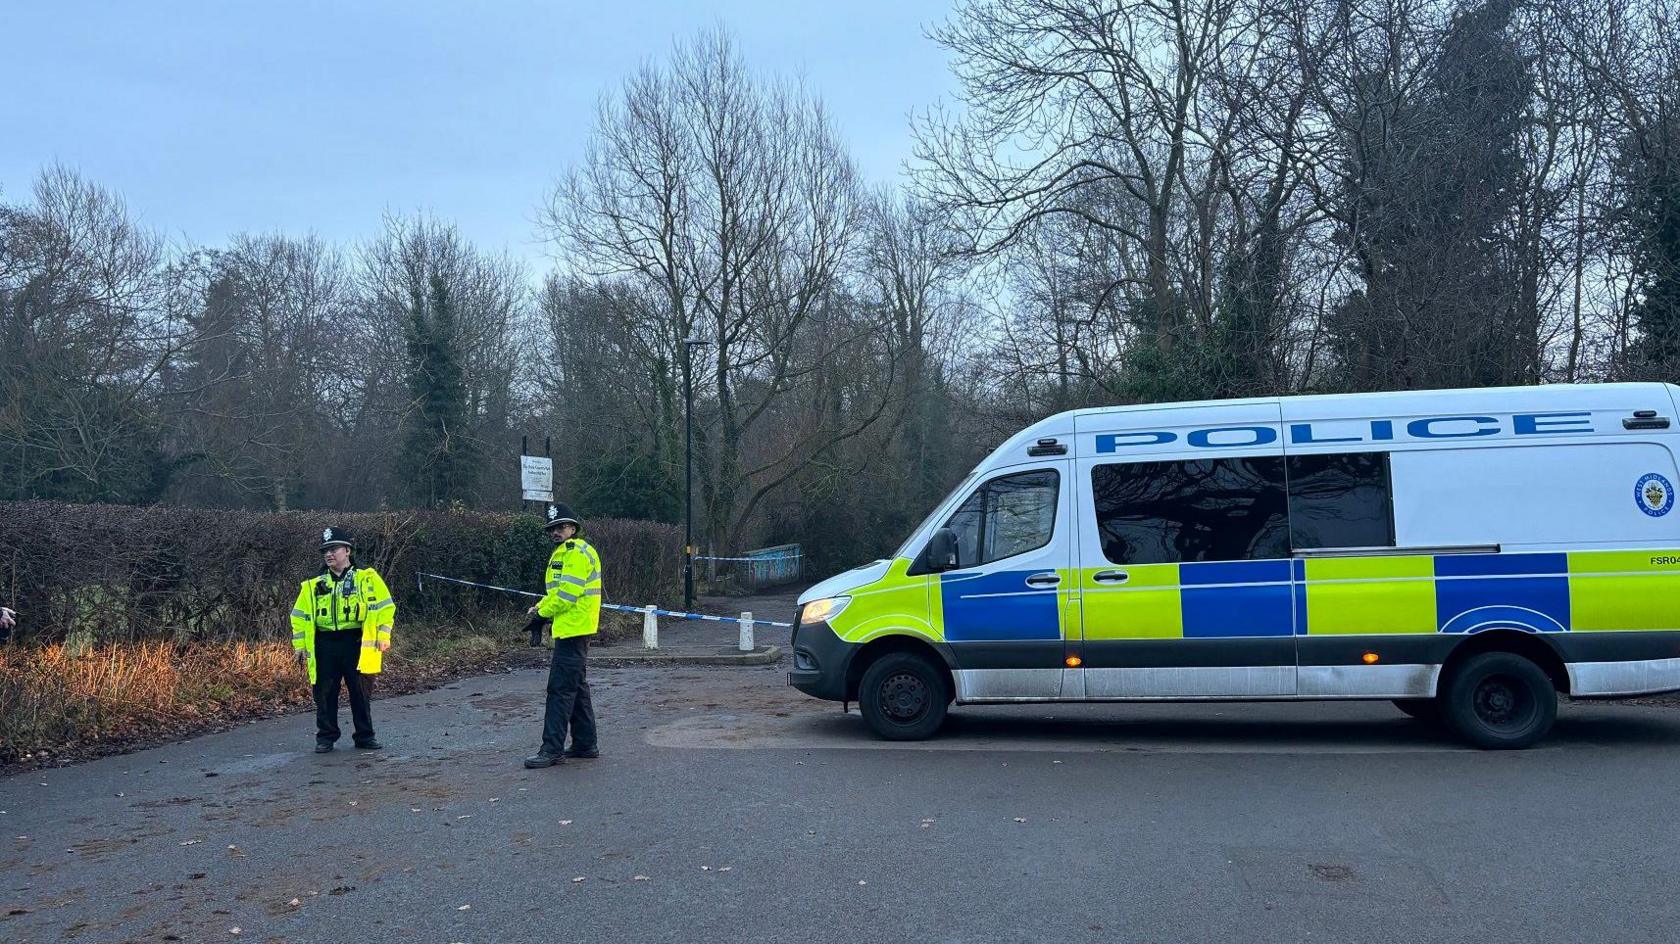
(420, 579)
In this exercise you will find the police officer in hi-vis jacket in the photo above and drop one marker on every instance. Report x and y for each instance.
(341, 627)
(572, 600)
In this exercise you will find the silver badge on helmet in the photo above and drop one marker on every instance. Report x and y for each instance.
(326, 535)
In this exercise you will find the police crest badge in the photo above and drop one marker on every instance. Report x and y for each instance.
(1654, 494)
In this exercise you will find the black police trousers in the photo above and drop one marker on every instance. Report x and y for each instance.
(335, 662)
(568, 698)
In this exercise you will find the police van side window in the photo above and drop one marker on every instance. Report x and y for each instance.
(1196, 510)
(1009, 515)
(1340, 500)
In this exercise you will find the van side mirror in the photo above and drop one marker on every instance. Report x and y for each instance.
(942, 551)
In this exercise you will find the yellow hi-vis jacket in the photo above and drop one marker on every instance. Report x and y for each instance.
(358, 600)
(573, 583)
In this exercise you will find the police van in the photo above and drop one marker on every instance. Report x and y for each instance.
(1467, 554)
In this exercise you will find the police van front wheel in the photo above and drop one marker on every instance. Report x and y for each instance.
(903, 697)
(1499, 700)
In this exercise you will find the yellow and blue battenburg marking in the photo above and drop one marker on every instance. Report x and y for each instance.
(1404, 594)
(1238, 598)
(992, 606)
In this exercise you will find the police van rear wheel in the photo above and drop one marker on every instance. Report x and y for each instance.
(903, 697)
(1500, 701)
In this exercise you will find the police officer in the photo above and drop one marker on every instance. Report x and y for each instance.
(341, 628)
(573, 602)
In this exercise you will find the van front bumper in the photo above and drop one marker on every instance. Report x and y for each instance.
(820, 660)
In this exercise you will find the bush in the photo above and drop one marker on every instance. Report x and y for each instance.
(87, 574)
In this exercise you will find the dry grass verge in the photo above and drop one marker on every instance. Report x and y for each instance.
(54, 700)
(58, 704)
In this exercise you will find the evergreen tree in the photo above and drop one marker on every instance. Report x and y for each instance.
(437, 454)
(1650, 215)
(1430, 184)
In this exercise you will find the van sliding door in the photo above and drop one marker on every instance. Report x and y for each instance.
(1185, 580)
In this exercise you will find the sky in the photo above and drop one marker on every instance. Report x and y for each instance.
(216, 118)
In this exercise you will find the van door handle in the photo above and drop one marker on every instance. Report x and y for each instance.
(1044, 580)
(1111, 576)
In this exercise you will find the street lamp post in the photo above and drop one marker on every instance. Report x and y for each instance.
(688, 471)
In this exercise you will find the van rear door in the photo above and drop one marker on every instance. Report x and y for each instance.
(1185, 577)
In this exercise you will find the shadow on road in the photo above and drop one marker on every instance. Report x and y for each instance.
(1280, 728)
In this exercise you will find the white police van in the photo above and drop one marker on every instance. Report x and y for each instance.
(1467, 554)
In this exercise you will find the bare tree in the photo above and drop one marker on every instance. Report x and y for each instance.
(251, 402)
(82, 324)
(1100, 111)
(726, 206)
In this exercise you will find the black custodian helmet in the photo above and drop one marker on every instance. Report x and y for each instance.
(336, 537)
(558, 515)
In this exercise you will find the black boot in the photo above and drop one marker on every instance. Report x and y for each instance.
(539, 760)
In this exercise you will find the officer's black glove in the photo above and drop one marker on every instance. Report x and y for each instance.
(535, 626)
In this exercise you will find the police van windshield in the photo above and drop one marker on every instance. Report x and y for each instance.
(905, 549)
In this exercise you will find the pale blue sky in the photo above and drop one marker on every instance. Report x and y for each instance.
(213, 118)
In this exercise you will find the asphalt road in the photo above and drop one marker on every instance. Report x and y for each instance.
(728, 807)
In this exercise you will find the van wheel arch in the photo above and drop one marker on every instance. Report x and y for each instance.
(1532, 646)
(873, 650)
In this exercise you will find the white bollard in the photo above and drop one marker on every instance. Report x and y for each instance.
(650, 627)
(746, 644)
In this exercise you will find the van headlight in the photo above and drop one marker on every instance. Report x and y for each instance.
(818, 611)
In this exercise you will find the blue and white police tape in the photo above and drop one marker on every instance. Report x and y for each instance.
(420, 579)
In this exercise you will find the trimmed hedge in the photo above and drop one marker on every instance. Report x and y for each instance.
(91, 573)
